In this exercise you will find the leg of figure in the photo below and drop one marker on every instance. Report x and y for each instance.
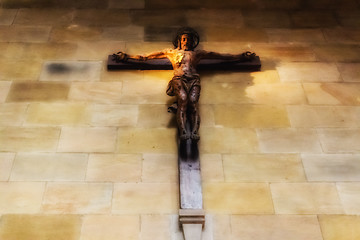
(194, 112)
(182, 100)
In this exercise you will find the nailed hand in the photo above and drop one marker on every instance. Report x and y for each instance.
(120, 57)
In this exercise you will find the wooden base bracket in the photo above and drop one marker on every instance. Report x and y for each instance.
(192, 222)
(192, 216)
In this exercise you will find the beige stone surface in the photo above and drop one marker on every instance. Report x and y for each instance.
(276, 94)
(114, 168)
(346, 93)
(4, 90)
(7, 16)
(12, 114)
(212, 169)
(221, 227)
(96, 92)
(125, 33)
(340, 227)
(316, 94)
(331, 167)
(111, 227)
(101, 146)
(47, 4)
(207, 115)
(323, 116)
(155, 227)
(176, 232)
(101, 17)
(283, 52)
(350, 196)
(230, 46)
(160, 168)
(289, 140)
(13, 50)
(155, 115)
(145, 198)
(49, 167)
(6, 163)
(146, 140)
(70, 114)
(337, 53)
(85, 139)
(98, 50)
(157, 17)
(38, 17)
(114, 76)
(141, 47)
(237, 198)
(228, 140)
(265, 75)
(339, 140)
(306, 198)
(263, 168)
(223, 93)
(19, 70)
(74, 33)
(127, 4)
(308, 72)
(40, 227)
(275, 227)
(250, 116)
(77, 198)
(213, 18)
(311, 19)
(342, 35)
(36, 91)
(71, 71)
(350, 72)
(29, 138)
(21, 197)
(267, 19)
(119, 115)
(348, 17)
(224, 34)
(295, 35)
(151, 90)
(44, 51)
(16, 33)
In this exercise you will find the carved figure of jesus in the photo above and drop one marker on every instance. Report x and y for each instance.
(185, 84)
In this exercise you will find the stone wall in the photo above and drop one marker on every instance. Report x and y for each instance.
(90, 154)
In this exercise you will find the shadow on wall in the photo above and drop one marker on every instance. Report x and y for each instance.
(171, 4)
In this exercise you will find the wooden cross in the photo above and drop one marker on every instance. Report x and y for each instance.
(191, 213)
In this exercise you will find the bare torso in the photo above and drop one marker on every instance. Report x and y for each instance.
(184, 62)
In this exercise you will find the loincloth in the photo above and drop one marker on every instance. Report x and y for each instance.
(182, 82)
(178, 83)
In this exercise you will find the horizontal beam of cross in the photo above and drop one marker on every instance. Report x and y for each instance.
(204, 64)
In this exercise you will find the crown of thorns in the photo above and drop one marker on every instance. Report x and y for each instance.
(194, 37)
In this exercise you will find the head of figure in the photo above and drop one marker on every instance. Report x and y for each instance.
(186, 39)
(185, 42)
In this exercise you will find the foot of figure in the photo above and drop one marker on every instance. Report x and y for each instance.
(184, 136)
(195, 136)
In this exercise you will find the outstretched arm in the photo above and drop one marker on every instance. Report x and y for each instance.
(123, 57)
(243, 57)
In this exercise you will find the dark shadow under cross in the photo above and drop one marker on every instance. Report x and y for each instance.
(191, 214)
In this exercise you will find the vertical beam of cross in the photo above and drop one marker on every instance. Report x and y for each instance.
(191, 213)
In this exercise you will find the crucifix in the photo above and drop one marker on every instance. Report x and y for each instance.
(185, 86)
